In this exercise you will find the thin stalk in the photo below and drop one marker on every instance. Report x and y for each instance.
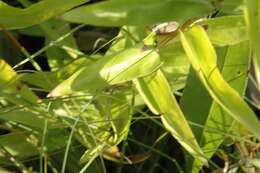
(16, 162)
(52, 43)
(88, 164)
(68, 147)
(158, 152)
(21, 48)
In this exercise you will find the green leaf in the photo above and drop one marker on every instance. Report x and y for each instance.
(127, 37)
(116, 108)
(157, 94)
(194, 90)
(215, 118)
(226, 30)
(28, 118)
(57, 57)
(13, 89)
(252, 18)
(175, 64)
(116, 115)
(48, 80)
(19, 146)
(230, 6)
(21, 151)
(126, 65)
(203, 59)
(34, 14)
(34, 31)
(255, 162)
(138, 12)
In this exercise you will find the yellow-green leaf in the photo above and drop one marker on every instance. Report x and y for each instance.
(252, 16)
(204, 60)
(14, 18)
(138, 12)
(157, 94)
(126, 65)
(13, 89)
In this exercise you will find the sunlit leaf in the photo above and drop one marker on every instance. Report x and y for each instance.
(138, 12)
(175, 64)
(13, 89)
(226, 30)
(157, 94)
(35, 120)
(126, 65)
(34, 14)
(252, 18)
(203, 59)
(216, 120)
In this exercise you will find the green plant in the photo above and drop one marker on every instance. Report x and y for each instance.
(193, 78)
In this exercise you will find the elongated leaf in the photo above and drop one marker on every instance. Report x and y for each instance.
(203, 59)
(235, 73)
(138, 12)
(191, 107)
(21, 151)
(157, 94)
(34, 14)
(13, 89)
(124, 66)
(54, 141)
(28, 118)
(226, 30)
(193, 91)
(48, 80)
(252, 17)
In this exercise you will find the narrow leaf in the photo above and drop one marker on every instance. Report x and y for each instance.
(144, 12)
(34, 14)
(35, 120)
(252, 16)
(157, 94)
(13, 89)
(203, 59)
(217, 120)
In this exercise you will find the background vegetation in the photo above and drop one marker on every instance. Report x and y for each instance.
(129, 86)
